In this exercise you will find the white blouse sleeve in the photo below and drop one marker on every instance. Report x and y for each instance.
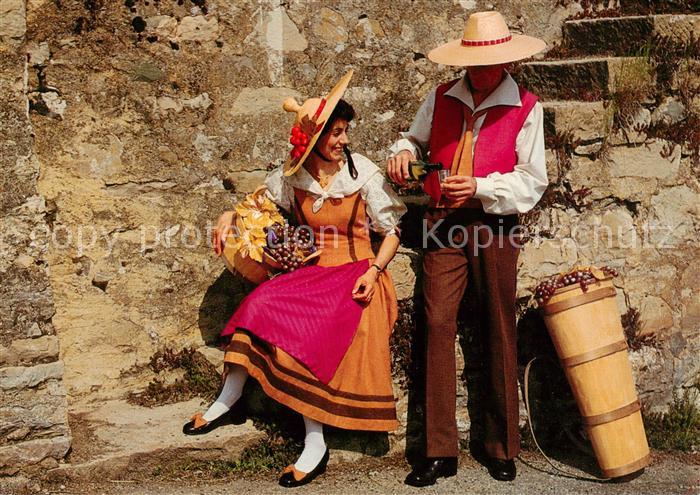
(384, 208)
(279, 190)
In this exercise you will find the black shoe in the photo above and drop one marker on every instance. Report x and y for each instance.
(429, 470)
(292, 478)
(502, 470)
(199, 426)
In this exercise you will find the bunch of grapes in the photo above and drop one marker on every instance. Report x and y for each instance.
(582, 276)
(609, 272)
(289, 245)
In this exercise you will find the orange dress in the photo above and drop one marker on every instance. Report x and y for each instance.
(360, 394)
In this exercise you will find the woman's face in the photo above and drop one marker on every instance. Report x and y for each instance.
(332, 143)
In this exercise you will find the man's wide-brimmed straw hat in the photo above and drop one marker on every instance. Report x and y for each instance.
(486, 41)
(311, 117)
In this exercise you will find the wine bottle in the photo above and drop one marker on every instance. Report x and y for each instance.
(418, 169)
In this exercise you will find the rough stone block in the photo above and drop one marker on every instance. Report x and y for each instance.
(22, 377)
(197, 28)
(681, 28)
(688, 364)
(281, 34)
(403, 269)
(589, 79)
(672, 217)
(18, 456)
(655, 315)
(331, 27)
(29, 351)
(653, 371)
(33, 413)
(629, 35)
(643, 161)
(616, 36)
(26, 303)
(585, 120)
(583, 80)
(253, 101)
(13, 22)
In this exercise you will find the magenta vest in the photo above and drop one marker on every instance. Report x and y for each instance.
(495, 145)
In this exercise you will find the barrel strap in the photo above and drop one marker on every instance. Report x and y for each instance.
(632, 467)
(621, 412)
(580, 300)
(601, 352)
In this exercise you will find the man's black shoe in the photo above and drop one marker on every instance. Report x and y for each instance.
(502, 470)
(426, 472)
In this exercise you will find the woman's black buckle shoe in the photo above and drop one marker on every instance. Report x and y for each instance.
(291, 477)
(199, 426)
(428, 471)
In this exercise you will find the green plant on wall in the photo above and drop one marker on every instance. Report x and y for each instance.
(632, 87)
(679, 427)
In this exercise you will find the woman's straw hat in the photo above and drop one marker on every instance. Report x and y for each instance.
(311, 118)
(486, 41)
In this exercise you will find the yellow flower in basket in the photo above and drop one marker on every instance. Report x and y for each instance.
(243, 251)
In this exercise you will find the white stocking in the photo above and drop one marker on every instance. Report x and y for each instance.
(314, 447)
(230, 393)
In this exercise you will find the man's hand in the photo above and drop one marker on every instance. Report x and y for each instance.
(458, 188)
(397, 166)
(224, 228)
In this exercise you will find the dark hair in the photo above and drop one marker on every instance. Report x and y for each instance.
(343, 111)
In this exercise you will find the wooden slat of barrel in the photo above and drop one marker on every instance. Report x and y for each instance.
(579, 330)
(620, 443)
(608, 383)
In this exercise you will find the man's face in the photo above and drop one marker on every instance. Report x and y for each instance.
(485, 77)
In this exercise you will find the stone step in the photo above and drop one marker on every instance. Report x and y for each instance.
(586, 121)
(111, 438)
(644, 7)
(584, 79)
(626, 36)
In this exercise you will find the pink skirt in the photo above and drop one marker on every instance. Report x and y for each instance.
(308, 313)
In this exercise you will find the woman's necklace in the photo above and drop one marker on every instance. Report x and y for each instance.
(323, 178)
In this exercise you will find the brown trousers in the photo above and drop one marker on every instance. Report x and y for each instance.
(490, 253)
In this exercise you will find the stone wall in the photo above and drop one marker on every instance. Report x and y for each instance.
(152, 117)
(34, 430)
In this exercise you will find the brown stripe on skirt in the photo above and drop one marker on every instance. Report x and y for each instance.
(245, 348)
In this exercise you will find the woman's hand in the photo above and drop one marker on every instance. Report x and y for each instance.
(365, 286)
(224, 228)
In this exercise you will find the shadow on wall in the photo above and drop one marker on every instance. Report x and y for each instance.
(556, 419)
(220, 301)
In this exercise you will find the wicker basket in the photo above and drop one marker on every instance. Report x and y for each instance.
(252, 270)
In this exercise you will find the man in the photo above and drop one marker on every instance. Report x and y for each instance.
(488, 132)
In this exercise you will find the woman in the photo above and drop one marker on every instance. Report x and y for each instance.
(317, 339)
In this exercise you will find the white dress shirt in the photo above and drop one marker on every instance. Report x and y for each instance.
(383, 206)
(501, 194)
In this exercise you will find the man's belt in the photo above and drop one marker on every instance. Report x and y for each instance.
(470, 203)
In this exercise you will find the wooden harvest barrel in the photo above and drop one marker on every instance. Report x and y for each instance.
(587, 333)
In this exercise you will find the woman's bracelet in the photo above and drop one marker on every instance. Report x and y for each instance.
(379, 268)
